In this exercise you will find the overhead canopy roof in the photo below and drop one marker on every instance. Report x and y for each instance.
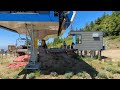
(43, 28)
(46, 24)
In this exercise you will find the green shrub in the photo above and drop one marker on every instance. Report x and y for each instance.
(54, 74)
(102, 75)
(110, 62)
(37, 73)
(113, 37)
(15, 77)
(118, 71)
(31, 75)
(21, 68)
(96, 57)
(1, 63)
(87, 59)
(102, 68)
(99, 57)
(118, 39)
(5, 78)
(115, 71)
(68, 75)
(82, 74)
(111, 77)
(94, 75)
(118, 64)
(109, 69)
(1, 76)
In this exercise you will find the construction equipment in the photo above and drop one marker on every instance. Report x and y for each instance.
(48, 23)
(22, 49)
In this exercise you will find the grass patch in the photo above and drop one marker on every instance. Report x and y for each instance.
(111, 77)
(98, 57)
(37, 73)
(113, 37)
(109, 69)
(15, 77)
(115, 71)
(1, 63)
(5, 78)
(109, 62)
(118, 39)
(118, 71)
(4, 62)
(102, 68)
(68, 75)
(0, 76)
(87, 59)
(54, 74)
(102, 75)
(82, 74)
(31, 76)
(118, 64)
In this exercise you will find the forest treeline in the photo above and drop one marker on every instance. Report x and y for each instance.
(109, 24)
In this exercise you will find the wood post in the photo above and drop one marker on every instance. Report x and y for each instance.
(78, 52)
(81, 53)
(100, 55)
(91, 53)
(85, 53)
(94, 53)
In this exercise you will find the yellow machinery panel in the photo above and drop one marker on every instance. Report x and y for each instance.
(35, 42)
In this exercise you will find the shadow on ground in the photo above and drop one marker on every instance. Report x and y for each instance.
(106, 58)
(23, 72)
(62, 63)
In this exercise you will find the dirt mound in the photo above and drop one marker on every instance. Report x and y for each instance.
(62, 63)
(112, 54)
(111, 44)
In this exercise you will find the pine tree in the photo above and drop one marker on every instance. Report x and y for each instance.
(91, 25)
(109, 24)
(115, 12)
(98, 21)
(87, 27)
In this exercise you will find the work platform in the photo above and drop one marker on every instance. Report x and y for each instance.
(59, 50)
(33, 67)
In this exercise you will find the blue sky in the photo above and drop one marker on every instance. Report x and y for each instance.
(82, 17)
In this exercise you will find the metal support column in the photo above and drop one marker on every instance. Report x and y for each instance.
(33, 64)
